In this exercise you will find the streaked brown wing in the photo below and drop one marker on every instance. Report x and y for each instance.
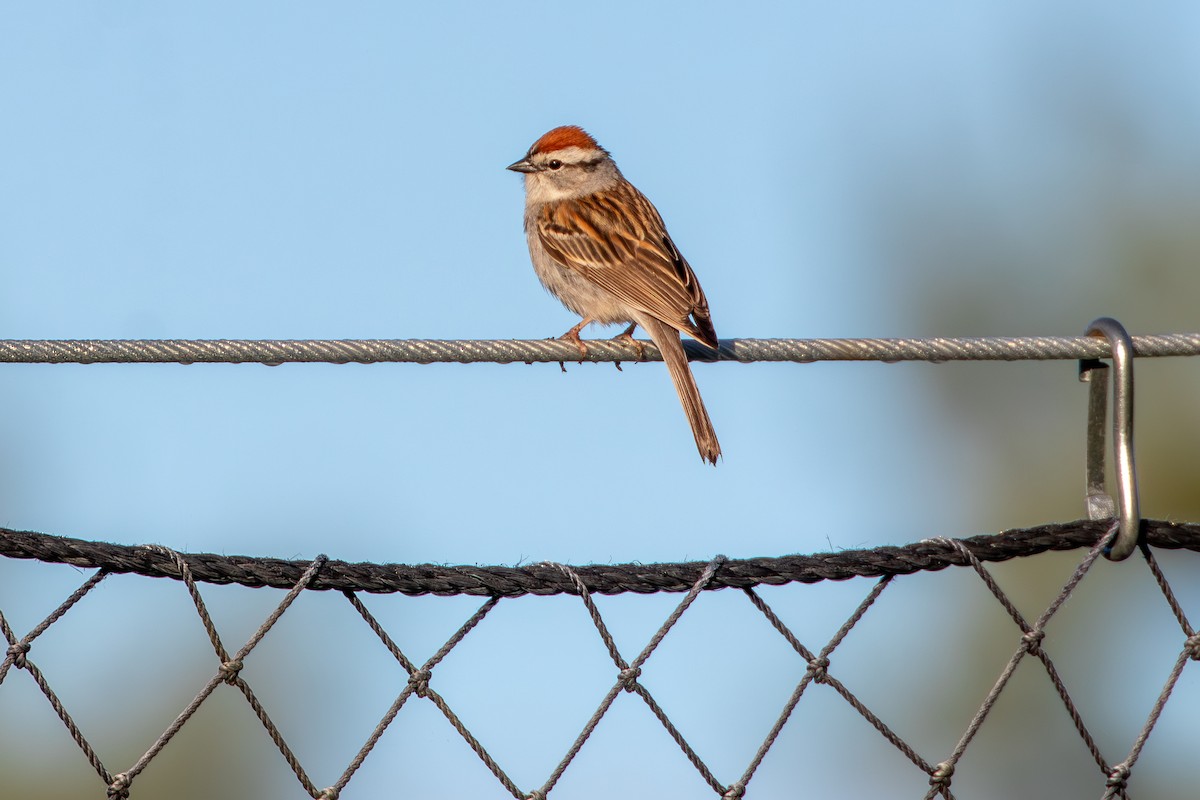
(617, 240)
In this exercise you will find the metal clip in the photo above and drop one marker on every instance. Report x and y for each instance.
(1099, 503)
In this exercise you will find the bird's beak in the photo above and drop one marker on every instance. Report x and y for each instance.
(522, 166)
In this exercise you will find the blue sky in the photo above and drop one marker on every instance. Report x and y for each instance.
(306, 170)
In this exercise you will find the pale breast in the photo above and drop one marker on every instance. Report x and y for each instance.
(575, 291)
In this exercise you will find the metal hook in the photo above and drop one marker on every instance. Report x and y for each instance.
(1099, 503)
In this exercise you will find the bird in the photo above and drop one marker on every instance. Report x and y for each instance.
(601, 247)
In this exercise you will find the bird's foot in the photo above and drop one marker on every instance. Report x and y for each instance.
(573, 336)
(626, 337)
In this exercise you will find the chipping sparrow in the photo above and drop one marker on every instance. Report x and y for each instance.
(600, 247)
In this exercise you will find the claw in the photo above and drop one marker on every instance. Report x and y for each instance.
(573, 336)
(627, 337)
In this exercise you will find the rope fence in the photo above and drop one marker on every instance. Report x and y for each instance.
(506, 351)
(885, 565)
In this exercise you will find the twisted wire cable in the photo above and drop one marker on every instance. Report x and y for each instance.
(505, 351)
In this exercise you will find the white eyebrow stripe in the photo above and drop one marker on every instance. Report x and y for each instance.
(571, 155)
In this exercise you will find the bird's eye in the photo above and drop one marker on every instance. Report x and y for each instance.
(554, 164)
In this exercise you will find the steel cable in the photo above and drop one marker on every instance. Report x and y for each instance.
(504, 351)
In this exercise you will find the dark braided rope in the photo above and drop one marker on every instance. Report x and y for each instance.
(547, 579)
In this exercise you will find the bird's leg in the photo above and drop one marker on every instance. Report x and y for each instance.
(627, 337)
(573, 336)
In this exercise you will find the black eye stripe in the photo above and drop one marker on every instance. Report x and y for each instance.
(556, 164)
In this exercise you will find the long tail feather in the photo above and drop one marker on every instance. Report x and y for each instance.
(667, 340)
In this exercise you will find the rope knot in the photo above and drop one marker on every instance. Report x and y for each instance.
(1192, 647)
(1118, 776)
(328, 794)
(629, 676)
(818, 668)
(1033, 641)
(536, 794)
(17, 653)
(419, 680)
(942, 774)
(735, 792)
(119, 788)
(229, 671)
